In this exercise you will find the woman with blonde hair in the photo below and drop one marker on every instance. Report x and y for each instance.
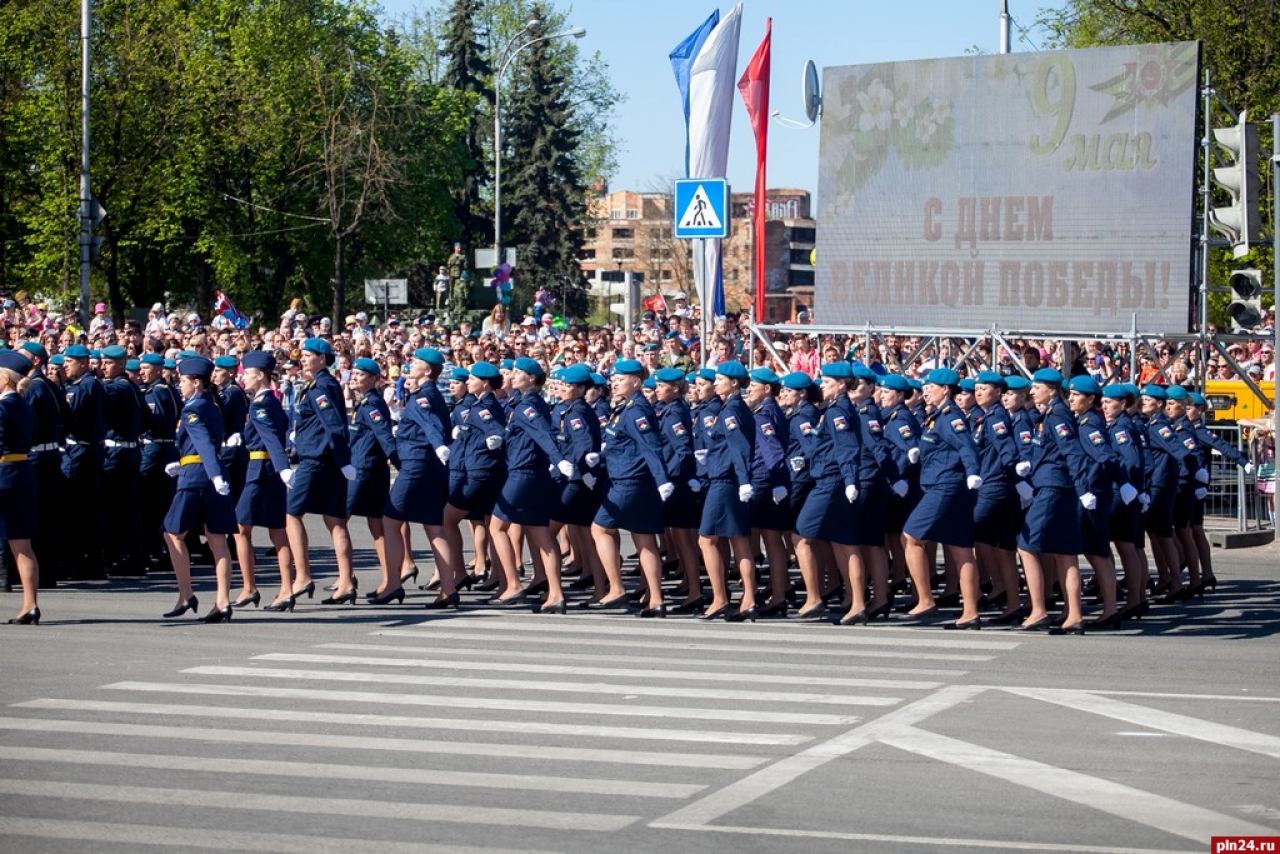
(497, 322)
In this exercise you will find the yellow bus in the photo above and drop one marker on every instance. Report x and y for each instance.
(1233, 400)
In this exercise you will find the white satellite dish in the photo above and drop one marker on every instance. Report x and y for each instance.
(812, 92)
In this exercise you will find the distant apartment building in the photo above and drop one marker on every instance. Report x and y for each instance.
(632, 232)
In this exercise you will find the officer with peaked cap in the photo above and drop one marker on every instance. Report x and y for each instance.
(46, 399)
(235, 409)
(158, 428)
(85, 428)
(122, 460)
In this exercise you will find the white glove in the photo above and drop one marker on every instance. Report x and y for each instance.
(745, 492)
(1089, 501)
(235, 440)
(287, 476)
(592, 460)
(913, 455)
(695, 485)
(797, 464)
(666, 490)
(457, 429)
(1248, 469)
(901, 488)
(851, 493)
(779, 494)
(1022, 469)
(973, 481)
(292, 434)
(442, 454)
(1127, 493)
(221, 486)
(493, 443)
(567, 469)
(700, 457)
(590, 480)
(1025, 493)
(172, 469)
(349, 471)
(1202, 475)
(1145, 500)
(1201, 493)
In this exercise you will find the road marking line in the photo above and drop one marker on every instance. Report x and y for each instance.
(100, 833)
(1160, 696)
(665, 663)
(400, 745)
(742, 648)
(1154, 811)
(578, 670)
(524, 706)
(524, 727)
(329, 771)
(1188, 727)
(778, 774)
(464, 683)
(366, 809)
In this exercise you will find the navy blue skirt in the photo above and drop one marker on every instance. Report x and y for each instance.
(997, 517)
(200, 509)
(723, 515)
(631, 505)
(944, 515)
(1159, 517)
(1126, 522)
(766, 515)
(575, 504)
(1052, 523)
(18, 502)
(476, 491)
(873, 512)
(367, 494)
(827, 515)
(261, 504)
(526, 498)
(318, 487)
(683, 509)
(419, 493)
(1095, 528)
(800, 491)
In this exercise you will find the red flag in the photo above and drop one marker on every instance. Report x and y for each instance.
(754, 87)
(655, 303)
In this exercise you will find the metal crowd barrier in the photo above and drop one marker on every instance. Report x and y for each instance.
(1234, 502)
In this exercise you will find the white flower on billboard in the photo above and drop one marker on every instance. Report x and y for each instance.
(877, 105)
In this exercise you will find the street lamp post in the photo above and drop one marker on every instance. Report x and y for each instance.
(509, 54)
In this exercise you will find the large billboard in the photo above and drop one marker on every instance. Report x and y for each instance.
(1045, 190)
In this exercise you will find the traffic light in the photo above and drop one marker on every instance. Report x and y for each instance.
(96, 213)
(1245, 309)
(1239, 221)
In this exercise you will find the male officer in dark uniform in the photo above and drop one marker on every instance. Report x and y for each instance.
(235, 409)
(45, 397)
(84, 431)
(155, 488)
(122, 548)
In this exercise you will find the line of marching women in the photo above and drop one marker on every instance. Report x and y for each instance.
(724, 479)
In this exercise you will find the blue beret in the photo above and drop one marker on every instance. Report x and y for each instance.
(894, 382)
(650, 348)
(707, 374)
(430, 355)
(915, 383)
(650, 383)
(1016, 382)
(36, 349)
(484, 371)
(862, 372)
(838, 371)
(669, 375)
(990, 378)
(196, 366)
(1133, 389)
(1085, 385)
(460, 375)
(318, 345)
(95, 354)
(508, 364)
(599, 379)
(1047, 375)
(629, 367)
(368, 366)
(557, 373)
(942, 376)
(798, 380)
(227, 363)
(152, 359)
(764, 375)
(1154, 391)
(260, 359)
(77, 351)
(57, 359)
(15, 361)
(672, 334)
(578, 374)
(132, 365)
(1176, 392)
(1117, 391)
(967, 384)
(691, 376)
(115, 351)
(732, 370)
(170, 364)
(529, 366)
(1197, 399)
(187, 354)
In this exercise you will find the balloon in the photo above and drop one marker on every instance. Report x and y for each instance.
(506, 287)
(506, 300)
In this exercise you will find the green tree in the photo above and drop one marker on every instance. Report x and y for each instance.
(468, 72)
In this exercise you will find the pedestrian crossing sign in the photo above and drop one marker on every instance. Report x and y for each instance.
(701, 208)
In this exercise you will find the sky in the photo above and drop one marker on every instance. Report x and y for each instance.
(634, 37)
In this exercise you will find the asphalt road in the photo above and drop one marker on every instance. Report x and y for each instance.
(390, 728)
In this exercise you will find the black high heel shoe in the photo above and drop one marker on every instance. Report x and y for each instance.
(411, 575)
(450, 601)
(718, 614)
(883, 611)
(488, 586)
(537, 587)
(1010, 618)
(742, 616)
(348, 598)
(1136, 612)
(660, 611)
(1038, 626)
(252, 599)
(619, 601)
(1076, 628)
(1211, 582)
(511, 601)
(433, 584)
(812, 615)
(858, 618)
(31, 618)
(1109, 622)
(469, 581)
(975, 624)
(217, 615)
(689, 606)
(192, 604)
(309, 590)
(775, 609)
(560, 607)
(281, 605)
(396, 596)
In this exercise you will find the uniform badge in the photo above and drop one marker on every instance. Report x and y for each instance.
(904, 430)
(1190, 443)
(262, 415)
(70, 396)
(575, 423)
(678, 429)
(1063, 430)
(530, 413)
(958, 425)
(485, 415)
(322, 401)
(806, 428)
(1024, 436)
(841, 423)
(767, 429)
(1000, 428)
(375, 416)
(193, 418)
(1095, 437)
(1165, 432)
(642, 423)
(874, 425)
(708, 422)
(1122, 438)
(423, 403)
(730, 422)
